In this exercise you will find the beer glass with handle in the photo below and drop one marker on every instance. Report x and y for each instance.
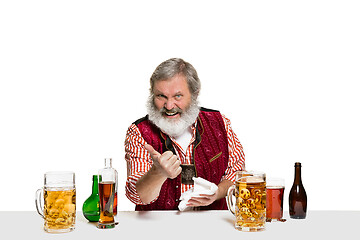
(55, 202)
(250, 206)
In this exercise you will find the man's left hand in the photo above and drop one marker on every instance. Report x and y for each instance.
(206, 200)
(202, 200)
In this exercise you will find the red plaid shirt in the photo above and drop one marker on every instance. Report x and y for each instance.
(139, 161)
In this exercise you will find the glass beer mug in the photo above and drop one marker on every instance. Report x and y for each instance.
(56, 202)
(250, 205)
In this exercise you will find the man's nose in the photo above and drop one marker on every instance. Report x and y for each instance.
(169, 104)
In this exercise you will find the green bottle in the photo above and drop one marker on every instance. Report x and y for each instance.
(91, 208)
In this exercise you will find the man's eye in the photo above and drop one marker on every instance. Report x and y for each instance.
(178, 96)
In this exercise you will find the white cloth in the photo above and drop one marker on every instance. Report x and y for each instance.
(201, 186)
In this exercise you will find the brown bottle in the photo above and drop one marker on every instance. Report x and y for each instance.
(297, 196)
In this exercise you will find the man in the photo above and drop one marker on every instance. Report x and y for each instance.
(178, 140)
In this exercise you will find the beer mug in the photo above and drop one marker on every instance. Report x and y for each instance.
(250, 205)
(56, 202)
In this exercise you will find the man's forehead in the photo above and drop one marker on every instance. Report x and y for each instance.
(176, 84)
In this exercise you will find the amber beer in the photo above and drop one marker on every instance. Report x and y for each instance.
(274, 202)
(59, 209)
(250, 211)
(107, 197)
(115, 202)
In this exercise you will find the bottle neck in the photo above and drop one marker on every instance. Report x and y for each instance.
(95, 186)
(108, 163)
(297, 179)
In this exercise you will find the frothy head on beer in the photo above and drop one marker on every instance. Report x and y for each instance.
(252, 179)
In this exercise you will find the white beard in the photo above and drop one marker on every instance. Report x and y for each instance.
(173, 127)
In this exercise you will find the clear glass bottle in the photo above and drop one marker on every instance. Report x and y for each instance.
(91, 208)
(107, 194)
(108, 164)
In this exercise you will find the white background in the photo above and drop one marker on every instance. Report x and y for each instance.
(75, 74)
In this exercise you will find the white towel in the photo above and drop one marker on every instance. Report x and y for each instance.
(201, 186)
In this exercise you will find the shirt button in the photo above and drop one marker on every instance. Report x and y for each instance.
(176, 186)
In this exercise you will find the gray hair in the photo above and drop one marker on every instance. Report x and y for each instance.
(172, 67)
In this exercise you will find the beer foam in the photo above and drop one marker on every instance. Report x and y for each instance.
(253, 179)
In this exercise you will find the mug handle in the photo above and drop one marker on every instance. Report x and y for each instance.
(229, 199)
(38, 203)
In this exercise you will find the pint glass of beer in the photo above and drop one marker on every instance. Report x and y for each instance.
(274, 198)
(56, 202)
(250, 205)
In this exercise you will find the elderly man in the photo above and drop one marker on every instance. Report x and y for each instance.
(178, 140)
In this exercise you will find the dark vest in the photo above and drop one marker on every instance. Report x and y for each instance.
(211, 157)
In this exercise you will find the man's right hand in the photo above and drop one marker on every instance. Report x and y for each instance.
(167, 163)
